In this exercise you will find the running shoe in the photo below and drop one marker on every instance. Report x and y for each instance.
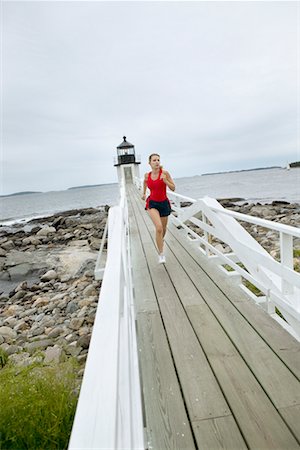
(161, 259)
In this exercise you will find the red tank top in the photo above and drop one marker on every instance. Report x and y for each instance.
(158, 189)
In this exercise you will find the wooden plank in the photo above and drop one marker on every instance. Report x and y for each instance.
(291, 416)
(260, 423)
(166, 420)
(278, 381)
(218, 433)
(221, 352)
(142, 283)
(282, 343)
(274, 423)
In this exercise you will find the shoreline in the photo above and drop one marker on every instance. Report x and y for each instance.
(48, 294)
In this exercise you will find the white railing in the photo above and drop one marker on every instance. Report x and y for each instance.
(278, 281)
(109, 411)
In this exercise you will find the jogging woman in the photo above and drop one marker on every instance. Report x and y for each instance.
(158, 204)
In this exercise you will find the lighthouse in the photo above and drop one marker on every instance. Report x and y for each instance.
(126, 162)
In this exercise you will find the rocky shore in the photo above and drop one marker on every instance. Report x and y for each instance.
(48, 294)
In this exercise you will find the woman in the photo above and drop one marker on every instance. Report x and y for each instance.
(158, 203)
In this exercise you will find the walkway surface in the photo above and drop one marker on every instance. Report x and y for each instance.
(217, 371)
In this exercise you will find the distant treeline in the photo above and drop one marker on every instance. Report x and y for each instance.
(295, 164)
(243, 170)
(22, 193)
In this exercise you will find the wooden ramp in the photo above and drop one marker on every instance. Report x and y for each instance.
(217, 371)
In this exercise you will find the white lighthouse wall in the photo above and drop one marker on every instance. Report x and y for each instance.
(134, 169)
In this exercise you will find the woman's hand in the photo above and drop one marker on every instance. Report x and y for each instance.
(144, 197)
(167, 179)
(164, 177)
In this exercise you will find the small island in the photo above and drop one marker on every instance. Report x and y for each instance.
(294, 164)
(22, 193)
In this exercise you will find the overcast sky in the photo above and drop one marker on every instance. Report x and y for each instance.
(210, 86)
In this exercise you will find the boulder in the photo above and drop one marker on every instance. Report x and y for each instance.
(50, 275)
(7, 333)
(38, 345)
(54, 354)
(20, 271)
(45, 231)
(9, 245)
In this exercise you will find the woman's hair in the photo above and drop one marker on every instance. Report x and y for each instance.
(153, 154)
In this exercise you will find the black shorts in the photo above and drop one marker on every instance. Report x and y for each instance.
(164, 207)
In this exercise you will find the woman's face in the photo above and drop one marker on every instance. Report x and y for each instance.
(155, 162)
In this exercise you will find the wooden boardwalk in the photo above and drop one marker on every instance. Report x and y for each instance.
(217, 371)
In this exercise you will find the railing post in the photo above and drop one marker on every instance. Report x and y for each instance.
(286, 258)
(206, 235)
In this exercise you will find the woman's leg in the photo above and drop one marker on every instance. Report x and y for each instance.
(156, 219)
(164, 221)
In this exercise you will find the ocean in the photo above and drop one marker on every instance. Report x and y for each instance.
(254, 186)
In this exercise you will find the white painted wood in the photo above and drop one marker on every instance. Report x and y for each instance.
(109, 411)
(101, 258)
(286, 255)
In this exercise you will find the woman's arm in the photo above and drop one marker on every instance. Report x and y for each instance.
(166, 177)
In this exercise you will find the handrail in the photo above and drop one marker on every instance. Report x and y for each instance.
(109, 411)
(278, 281)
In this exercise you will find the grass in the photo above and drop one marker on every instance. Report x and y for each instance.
(38, 405)
(3, 357)
(296, 253)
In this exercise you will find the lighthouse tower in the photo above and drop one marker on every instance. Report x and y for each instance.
(126, 162)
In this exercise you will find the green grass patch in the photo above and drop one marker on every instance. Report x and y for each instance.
(38, 405)
(279, 313)
(296, 252)
(228, 268)
(253, 288)
(3, 358)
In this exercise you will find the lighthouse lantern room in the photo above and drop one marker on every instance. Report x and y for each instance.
(127, 162)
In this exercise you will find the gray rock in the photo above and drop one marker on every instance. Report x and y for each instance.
(21, 326)
(7, 333)
(45, 231)
(81, 359)
(72, 307)
(55, 332)
(84, 341)
(4, 346)
(73, 349)
(39, 317)
(19, 272)
(8, 245)
(37, 331)
(4, 276)
(89, 291)
(20, 359)
(31, 240)
(38, 345)
(10, 322)
(22, 286)
(50, 275)
(54, 354)
(76, 323)
(19, 294)
(13, 349)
